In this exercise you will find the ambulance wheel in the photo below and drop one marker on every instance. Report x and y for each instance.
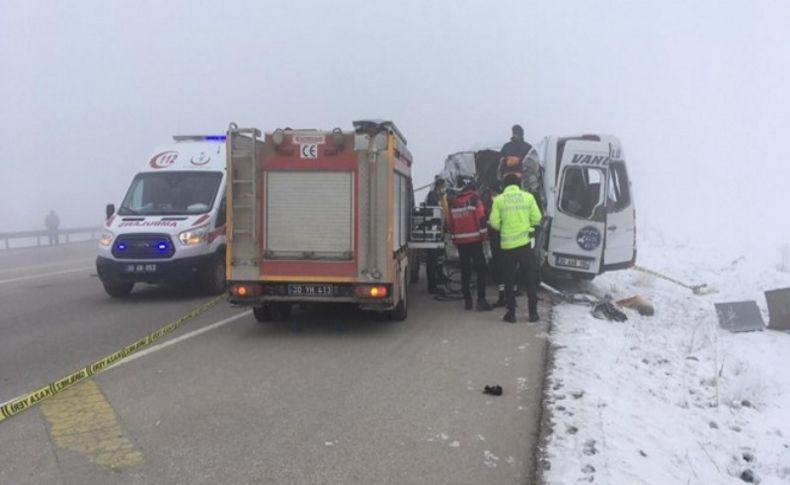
(262, 313)
(280, 311)
(119, 289)
(214, 276)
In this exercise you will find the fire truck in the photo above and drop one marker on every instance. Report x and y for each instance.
(318, 216)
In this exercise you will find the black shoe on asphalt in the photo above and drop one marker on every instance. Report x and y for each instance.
(483, 306)
(510, 316)
(468, 304)
(534, 317)
(500, 301)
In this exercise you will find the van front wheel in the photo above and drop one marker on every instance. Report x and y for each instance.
(214, 275)
(119, 289)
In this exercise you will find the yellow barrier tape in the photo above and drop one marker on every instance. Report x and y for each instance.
(20, 403)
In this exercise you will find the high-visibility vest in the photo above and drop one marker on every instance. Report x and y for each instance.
(466, 218)
(514, 213)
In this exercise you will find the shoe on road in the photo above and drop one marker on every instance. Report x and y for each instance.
(534, 317)
(510, 316)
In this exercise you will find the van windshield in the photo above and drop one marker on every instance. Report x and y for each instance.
(171, 193)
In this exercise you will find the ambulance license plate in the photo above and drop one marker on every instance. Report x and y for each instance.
(310, 290)
(140, 268)
(573, 262)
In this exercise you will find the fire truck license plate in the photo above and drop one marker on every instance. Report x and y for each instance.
(310, 290)
(573, 262)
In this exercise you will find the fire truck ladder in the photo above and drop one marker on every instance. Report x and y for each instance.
(243, 148)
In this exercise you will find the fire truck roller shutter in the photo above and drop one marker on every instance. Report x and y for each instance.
(309, 215)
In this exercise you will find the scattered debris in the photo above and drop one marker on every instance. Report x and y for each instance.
(493, 390)
(778, 309)
(607, 310)
(739, 316)
(702, 289)
(643, 453)
(454, 444)
(588, 469)
(748, 456)
(639, 304)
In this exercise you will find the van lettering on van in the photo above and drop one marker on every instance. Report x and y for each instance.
(582, 159)
(163, 159)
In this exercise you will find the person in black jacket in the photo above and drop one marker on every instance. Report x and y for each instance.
(516, 147)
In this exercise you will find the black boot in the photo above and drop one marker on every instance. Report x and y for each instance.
(510, 316)
(483, 306)
(468, 304)
(501, 300)
(533, 316)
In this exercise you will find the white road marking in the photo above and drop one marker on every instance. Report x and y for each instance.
(44, 275)
(176, 340)
(49, 265)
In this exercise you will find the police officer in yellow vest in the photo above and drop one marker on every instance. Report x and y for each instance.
(515, 215)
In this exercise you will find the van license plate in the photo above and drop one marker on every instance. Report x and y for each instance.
(573, 262)
(140, 268)
(310, 290)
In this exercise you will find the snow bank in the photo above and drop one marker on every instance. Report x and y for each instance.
(672, 399)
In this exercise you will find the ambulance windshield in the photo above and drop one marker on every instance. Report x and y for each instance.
(171, 193)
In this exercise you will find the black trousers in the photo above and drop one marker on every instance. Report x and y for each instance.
(496, 258)
(432, 268)
(472, 256)
(524, 258)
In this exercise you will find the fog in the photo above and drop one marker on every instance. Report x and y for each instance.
(696, 91)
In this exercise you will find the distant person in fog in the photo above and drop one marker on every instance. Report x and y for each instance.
(53, 223)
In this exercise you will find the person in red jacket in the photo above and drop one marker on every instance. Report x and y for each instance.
(468, 229)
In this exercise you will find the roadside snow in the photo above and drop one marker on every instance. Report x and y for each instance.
(671, 399)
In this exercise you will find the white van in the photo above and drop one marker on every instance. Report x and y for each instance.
(590, 223)
(170, 226)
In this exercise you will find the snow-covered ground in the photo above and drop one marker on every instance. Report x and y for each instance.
(672, 399)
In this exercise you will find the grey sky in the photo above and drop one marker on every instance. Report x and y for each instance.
(697, 91)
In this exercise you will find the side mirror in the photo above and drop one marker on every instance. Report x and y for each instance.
(109, 210)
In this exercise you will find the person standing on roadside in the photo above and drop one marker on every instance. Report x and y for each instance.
(52, 221)
(515, 215)
(468, 230)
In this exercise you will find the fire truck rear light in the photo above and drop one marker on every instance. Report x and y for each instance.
(245, 289)
(371, 291)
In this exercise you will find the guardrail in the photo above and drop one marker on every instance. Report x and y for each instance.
(61, 235)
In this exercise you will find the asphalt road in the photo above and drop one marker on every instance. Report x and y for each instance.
(334, 396)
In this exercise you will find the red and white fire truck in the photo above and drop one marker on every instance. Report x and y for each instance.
(319, 217)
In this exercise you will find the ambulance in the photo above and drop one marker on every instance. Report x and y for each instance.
(170, 225)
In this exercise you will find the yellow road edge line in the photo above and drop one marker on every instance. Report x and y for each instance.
(29, 399)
